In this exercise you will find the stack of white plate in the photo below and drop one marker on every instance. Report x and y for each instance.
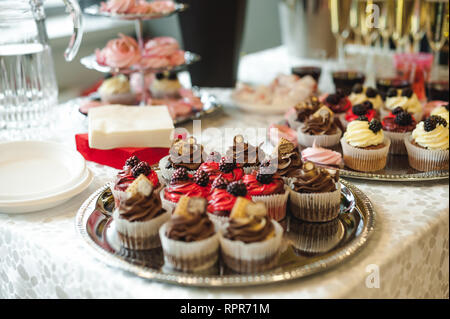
(36, 175)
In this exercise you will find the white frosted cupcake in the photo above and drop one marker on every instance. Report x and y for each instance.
(428, 146)
(442, 111)
(189, 239)
(364, 145)
(406, 99)
(362, 94)
(250, 241)
(320, 128)
(165, 85)
(139, 217)
(117, 90)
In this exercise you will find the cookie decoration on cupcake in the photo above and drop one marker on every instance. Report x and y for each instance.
(139, 216)
(244, 154)
(288, 157)
(189, 239)
(364, 145)
(428, 145)
(250, 241)
(303, 111)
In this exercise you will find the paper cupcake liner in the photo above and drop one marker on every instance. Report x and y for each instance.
(276, 204)
(417, 115)
(168, 172)
(316, 207)
(119, 196)
(425, 160)
(219, 221)
(314, 238)
(365, 160)
(321, 140)
(397, 142)
(168, 205)
(189, 256)
(139, 235)
(251, 257)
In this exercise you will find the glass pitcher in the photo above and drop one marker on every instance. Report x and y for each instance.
(28, 87)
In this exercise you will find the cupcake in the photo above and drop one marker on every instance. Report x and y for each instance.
(117, 90)
(165, 85)
(245, 155)
(396, 126)
(266, 186)
(323, 157)
(321, 128)
(362, 94)
(357, 110)
(186, 153)
(364, 145)
(250, 242)
(182, 184)
(131, 170)
(441, 111)
(215, 165)
(139, 216)
(303, 111)
(315, 194)
(338, 103)
(223, 197)
(427, 146)
(288, 157)
(189, 239)
(406, 99)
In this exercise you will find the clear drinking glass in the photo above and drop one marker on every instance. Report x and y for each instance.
(28, 87)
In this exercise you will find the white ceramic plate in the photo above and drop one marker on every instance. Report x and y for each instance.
(37, 169)
(32, 205)
(260, 108)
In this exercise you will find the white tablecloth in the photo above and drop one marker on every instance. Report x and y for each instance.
(42, 256)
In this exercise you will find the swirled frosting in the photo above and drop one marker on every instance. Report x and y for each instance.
(437, 139)
(173, 192)
(288, 157)
(212, 169)
(322, 156)
(442, 112)
(319, 126)
(412, 104)
(249, 230)
(306, 108)
(359, 135)
(244, 153)
(141, 208)
(220, 202)
(359, 98)
(255, 188)
(190, 227)
(186, 153)
(312, 179)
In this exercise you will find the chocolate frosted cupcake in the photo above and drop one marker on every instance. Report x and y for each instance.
(338, 103)
(428, 145)
(364, 145)
(396, 126)
(315, 194)
(243, 154)
(189, 239)
(321, 129)
(251, 241)
(303, 111)
(139, 217)
(288, 157)
(183, 153)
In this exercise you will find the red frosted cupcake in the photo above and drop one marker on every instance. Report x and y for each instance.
(182, 184)
(363, 109)
(132, 169)
(222, 198)
(264, 185)
(397, 125)
(215, 166)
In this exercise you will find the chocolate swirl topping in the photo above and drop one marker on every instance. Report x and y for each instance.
(307, 108)
(141, 208)
(312, 179)
(288, 157)
(190, 227)
(186, 153)
(244, 153)
(320, 125)
(249, 230)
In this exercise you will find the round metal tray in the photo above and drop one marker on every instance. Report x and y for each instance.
(307, 248)
(94, 10)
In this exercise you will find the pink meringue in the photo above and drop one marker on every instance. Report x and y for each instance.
(161, 46)
(119, 53)
(155, 61)
(137, 6)
(276, 132)
(162, 7)
(118, 6)
(322, 156)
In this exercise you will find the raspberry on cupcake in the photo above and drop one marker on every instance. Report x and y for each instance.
(396, 126)
(363, 109)
(404, 98)
(362, 94)
(215, 166)
(442, 111)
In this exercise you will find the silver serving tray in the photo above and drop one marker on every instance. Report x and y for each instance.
(90, 62)
(94, 10)
(307, 248)
(210, 106)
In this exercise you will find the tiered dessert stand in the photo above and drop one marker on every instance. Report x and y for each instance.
(90, 61)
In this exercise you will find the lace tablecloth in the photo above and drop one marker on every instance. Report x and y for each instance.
(41, 256)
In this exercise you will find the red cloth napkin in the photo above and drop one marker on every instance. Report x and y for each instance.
(116, 157)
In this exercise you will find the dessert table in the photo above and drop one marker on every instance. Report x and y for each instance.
(407, 256)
